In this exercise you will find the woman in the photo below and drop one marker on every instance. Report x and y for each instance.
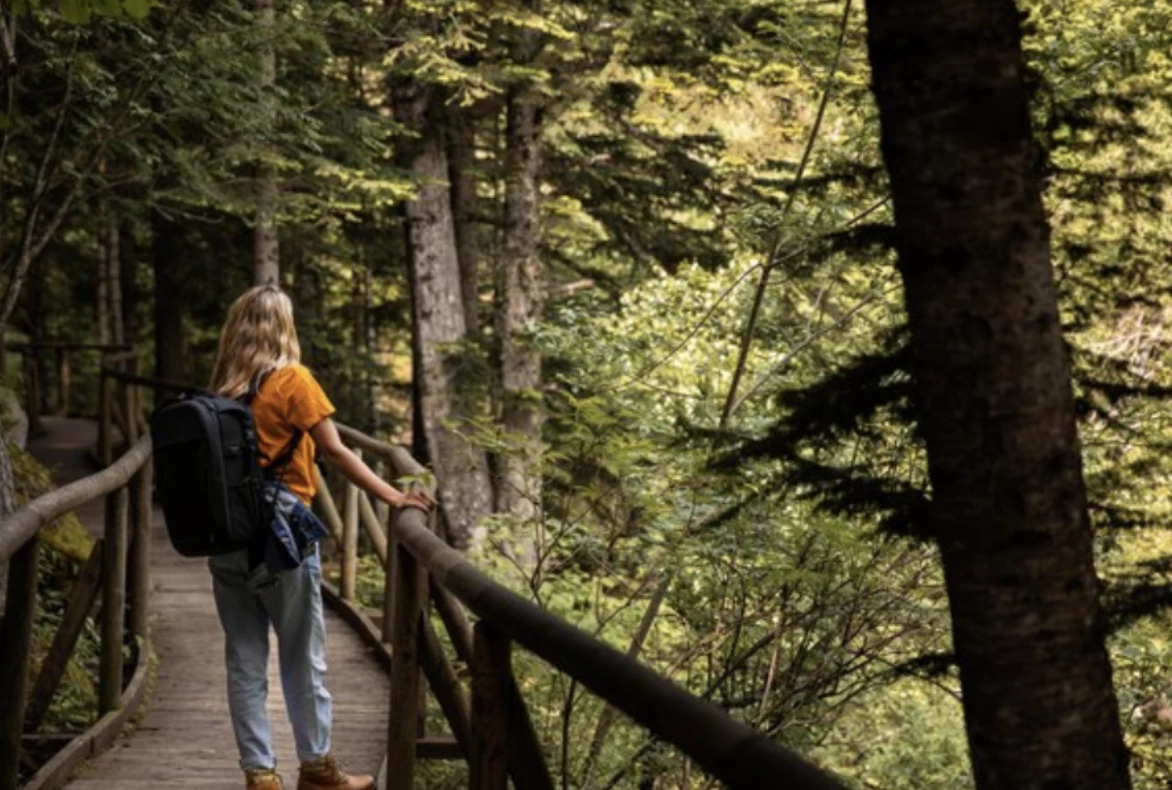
(259, 358)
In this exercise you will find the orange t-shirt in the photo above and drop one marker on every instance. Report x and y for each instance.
(290, 400)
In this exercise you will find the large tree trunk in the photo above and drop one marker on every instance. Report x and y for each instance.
(102, 308)
(465, 488)
(167, 251)
(993, 386)
(520, 289)
(266, 245)
(115, 314)
(461, 167)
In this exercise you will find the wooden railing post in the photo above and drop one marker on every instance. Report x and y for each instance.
(491, 682)
(526, 758)
(130, 403)
(62, 382)
(32, 391)
(139, 590)
(327, 507)
(105, 418)
(349, 583)
(81, 601)
(409, 592)
(390, 571)
(15, 641)
(113, 602)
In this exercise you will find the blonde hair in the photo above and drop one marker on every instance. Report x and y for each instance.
(258, 337)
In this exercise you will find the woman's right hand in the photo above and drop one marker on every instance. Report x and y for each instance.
(419, 500)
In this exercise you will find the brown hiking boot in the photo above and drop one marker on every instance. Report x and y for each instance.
(263, 779)
(324, 774)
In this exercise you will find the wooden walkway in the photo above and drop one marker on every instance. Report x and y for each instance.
(185, 739)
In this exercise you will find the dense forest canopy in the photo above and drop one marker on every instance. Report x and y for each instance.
(624, 273)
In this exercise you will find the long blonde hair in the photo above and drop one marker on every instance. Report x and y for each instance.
(258, 337)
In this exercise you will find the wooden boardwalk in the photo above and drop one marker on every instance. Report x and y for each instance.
(185, 739)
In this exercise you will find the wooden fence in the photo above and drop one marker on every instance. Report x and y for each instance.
(489, 722)
(119, 570)
(34, 356)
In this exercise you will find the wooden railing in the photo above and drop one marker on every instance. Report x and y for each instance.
(32, 355)
(118, 568)
(490, 725)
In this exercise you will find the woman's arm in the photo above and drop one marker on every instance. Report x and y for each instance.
(329, 443)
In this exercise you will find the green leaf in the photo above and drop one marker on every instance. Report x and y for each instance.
(76, 12)
(138, 9)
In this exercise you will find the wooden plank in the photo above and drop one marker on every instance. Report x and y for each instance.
(64, 383)
(113, 602)
(327, 506)
(97, 738)
(139, 565)
(410, 589)
(32, 372)
(730, 750)
(184, 740)
(349, 580)
(455, 621)
(390, 563)
(105, 420)
(357, 620)
(25, 522)
(527, 764)
(491, 678)
(373, 527)
(438, 747)
(16, 637)
(130, 411)
(81, 602)
(446, 687)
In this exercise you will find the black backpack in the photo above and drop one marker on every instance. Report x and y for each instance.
(208, 475)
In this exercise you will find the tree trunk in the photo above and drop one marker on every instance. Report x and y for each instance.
(993, 387)
(465, 488)
(266, 245)
(369, 391)
(114, 280)
(461, 170)
(103, 295)
(520, 288)
(167, 250)
(131, 294)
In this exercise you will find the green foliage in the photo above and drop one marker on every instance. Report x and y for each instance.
(800, 593)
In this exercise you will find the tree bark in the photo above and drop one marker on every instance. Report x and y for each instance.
(993, 387)
(465, 489)
(461, 167)
(521, 290)
(266, 244)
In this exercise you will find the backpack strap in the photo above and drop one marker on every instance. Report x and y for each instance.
(278, 465)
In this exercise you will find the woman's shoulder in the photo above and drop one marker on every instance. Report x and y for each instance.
(292, 377)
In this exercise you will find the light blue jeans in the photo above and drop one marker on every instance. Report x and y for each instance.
(290, 602)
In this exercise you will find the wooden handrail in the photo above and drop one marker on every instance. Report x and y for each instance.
(728, 749)
(731, 751)
(144, 381)
(65, 345)
(122, 555)
(23, 524)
